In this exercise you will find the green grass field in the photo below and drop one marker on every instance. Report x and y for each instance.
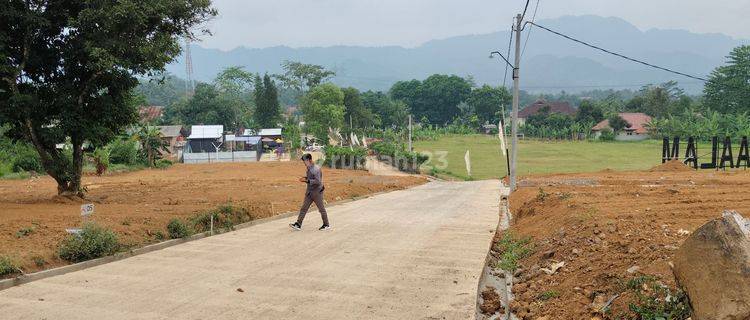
(534, 156)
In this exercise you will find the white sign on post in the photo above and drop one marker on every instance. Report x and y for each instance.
(87, 209)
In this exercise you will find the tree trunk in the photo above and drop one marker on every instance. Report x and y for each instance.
(70, 185)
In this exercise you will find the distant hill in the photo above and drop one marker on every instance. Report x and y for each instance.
(550, 63)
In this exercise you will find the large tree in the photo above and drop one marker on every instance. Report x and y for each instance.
(487, 102)
(355, 112)
(323, 108)
(728, 89)
(588, 112)
(267, 109)
(436, 98)
(207, 106)
(301, 77)
(67, 69)
(388, 113)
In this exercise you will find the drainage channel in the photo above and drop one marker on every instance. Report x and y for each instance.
(496, 279)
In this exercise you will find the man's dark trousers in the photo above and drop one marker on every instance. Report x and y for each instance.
(310, 197)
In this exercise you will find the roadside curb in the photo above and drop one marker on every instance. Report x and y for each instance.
(26, 278)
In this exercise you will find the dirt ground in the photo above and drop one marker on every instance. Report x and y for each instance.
(138, 205)
(609, 228)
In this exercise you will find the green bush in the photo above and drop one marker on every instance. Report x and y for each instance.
(607, 135)
(93, 242)
(345, 157)
(163, 163)
(226, 216)
(8, 266)
(655, 301)
(178, 229)
(397, 156)
(26, 159)
(123, 152)
(102, 156)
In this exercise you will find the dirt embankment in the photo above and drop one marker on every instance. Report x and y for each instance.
(612, 231)
(138, 205)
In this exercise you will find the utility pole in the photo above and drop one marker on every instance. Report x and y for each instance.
(410, 133)
(514, 116)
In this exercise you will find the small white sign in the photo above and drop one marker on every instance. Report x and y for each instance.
(75, 231)
(87, 209)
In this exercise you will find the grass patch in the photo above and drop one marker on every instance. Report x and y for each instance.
(536, 157)
(8, 266)
(511, 251)
(655, 301)
(24, 232)
(549, 294)
(93, 242)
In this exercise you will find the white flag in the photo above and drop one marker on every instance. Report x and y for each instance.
(467, 158)
(501, 134)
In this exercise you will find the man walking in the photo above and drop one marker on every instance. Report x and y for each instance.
(314, 193)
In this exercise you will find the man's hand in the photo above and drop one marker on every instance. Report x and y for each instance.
(303, 179)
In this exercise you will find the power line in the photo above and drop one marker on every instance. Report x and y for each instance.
(528, 34)
(524, 9)
(619, 55)
(510, 41)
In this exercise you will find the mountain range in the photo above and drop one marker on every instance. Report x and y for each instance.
(549, 62)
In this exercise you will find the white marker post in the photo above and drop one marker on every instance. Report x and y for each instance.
(86, 211)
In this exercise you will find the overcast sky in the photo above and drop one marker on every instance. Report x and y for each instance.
(409, 23)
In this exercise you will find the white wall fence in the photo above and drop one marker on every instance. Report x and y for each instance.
(228, 156)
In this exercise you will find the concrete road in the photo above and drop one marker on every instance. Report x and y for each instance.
(411, 254)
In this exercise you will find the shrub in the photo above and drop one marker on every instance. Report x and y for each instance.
(93, 242)
(8, 266)
(123, 152)
(27, 159)
(178, 229)
(656, 301)
(607, 135)
(345, 157)
(226, 216)
(163, 163)
(397, 156)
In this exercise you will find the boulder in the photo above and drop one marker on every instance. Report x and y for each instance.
(713, 267)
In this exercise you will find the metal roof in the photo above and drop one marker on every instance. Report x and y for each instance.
(170, 131)
(206, 132)
(270, 132)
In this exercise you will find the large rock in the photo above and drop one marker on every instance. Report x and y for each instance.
(713, 267)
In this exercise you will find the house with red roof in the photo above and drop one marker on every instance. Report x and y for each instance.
(150, 114)
(635, 131)
(543, 106)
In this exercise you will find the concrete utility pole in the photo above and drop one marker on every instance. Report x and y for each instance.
(410, 150)
(514, 116)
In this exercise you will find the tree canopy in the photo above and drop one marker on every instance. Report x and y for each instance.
(302, 77)
(487, 102)
(728, 89)
(436, 98)
(68, 69)
(267, 108)
(323, 108)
